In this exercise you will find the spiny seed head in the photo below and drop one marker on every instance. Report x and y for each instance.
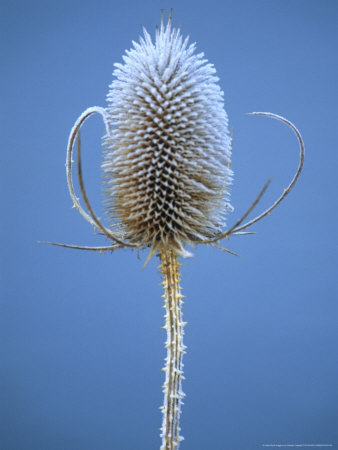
(166, 168)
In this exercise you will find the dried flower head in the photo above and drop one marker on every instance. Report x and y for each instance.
(167, 166)
(167, 161)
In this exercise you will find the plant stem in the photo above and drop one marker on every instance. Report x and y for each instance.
(175, 349)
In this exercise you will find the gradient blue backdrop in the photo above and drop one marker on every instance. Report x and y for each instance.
(81, 343)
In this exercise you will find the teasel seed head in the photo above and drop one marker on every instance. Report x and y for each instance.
(166, 166)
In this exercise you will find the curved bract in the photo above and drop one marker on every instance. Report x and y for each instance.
(120, 240)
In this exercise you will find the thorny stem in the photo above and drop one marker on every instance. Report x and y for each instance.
(173, 368)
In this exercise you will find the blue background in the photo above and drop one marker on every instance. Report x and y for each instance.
(81, 337)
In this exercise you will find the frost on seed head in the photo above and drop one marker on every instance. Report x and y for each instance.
(166, 165)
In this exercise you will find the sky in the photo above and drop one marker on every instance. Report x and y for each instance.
(81, 339)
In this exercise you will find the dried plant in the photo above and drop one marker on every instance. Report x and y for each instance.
(167, 173)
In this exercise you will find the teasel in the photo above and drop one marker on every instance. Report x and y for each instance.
(166, 170)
